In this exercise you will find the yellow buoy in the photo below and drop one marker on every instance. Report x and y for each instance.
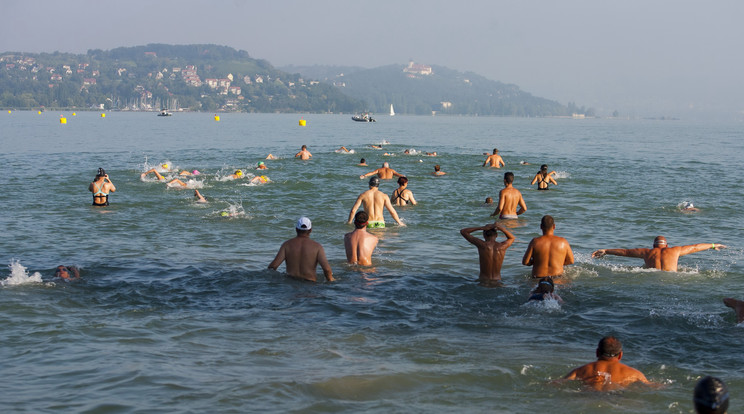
(39, 112)
(74, 114)
(216, 117)
(103, 115)
(8, 110)
(62, 119)
(303, 122)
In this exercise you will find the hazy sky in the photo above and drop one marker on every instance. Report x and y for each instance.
(643, 58)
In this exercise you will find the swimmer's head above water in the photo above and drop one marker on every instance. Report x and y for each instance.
(374, 182)
(660, 241)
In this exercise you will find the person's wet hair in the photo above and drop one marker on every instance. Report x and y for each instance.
(711, 396)
(362, 161)
(609, 347)
(544, 167)
(374, 182)
(490, 232)
(509, 177)
(547, 222)
(402, 180)
(360, 219)
(545, 285)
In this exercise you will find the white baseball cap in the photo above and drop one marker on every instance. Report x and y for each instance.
(304, 223)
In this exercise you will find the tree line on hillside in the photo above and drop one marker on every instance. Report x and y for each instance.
(143, 77)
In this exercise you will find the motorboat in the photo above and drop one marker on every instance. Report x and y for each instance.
(164, 112)
(364, 117)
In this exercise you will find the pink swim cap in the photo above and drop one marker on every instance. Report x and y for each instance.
(195, 172)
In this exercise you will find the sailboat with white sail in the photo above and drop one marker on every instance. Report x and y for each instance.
(392, 112)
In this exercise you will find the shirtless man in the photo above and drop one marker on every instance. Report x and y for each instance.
(101, 187)
(359, 244)
(152, 171)
(402, 195)
(490, 252)
(438, 170)
(661, 257)
(494, 160)
(509, 199)
(548, 253)
(374, 200)
(607, 372)
(384, 172)
(304, 154)
(303, 254)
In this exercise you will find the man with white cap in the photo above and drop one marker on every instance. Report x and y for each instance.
(303, 254)
(662, 256)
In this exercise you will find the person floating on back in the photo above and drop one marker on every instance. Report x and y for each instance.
(661, 256)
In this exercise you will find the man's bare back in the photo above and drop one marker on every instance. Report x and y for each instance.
(359, 246)
(490, 252)
(660, 256)
(384, 173)
(548, 253)
(509, 199)
(494, 160)
(303, 255)
(374, 201)
(607, 375)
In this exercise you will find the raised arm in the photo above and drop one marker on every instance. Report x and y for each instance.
(640, 253)
(534, 180)
(694, 248)
(469, 237)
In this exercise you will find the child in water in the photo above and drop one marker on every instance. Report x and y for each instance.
(545, 290)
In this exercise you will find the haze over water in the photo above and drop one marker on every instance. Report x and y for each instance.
(176, 311)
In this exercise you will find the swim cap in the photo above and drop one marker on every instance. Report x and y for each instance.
(165, 166)
(689, 205)
(265, 178)
(223, 214)
(304, 223)
(260, 163)
(238, 173)
(195, 172)
(374, 182)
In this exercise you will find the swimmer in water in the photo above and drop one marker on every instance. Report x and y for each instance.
(101, 187)
(545, 289)
(260, 179)
(384, 173)
(431, 154)
(199, 198)
(488, 202)
(402, 195)
(304, 154)
(543, 178)
(67, 272)
(261, 166)
(607, 372)
(711, 396)
(490, 252)
(661, 256)
(236, 175)
(509, 199)
(494, 160)
(187, 173)
(688, 207)
(270, 157)
(362, 163)
(437, 171)
(342, 149)
(152, 171)
(738, 307)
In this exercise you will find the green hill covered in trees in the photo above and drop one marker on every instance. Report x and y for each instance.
(195, 77)
(220, 78)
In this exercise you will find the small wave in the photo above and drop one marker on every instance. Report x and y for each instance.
(19, 275)
(562, 174)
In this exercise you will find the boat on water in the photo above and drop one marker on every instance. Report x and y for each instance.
(164, 112)
(364, 117)
(392, 112)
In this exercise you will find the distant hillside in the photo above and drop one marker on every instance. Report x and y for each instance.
(195, 77)
(421, 89)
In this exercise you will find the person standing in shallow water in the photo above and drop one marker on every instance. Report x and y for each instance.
(490, 252)
(402, 195)
(101, 187)
(662, 256)
(543, 178)
(304, 154)
(509, 199)
(303, 254)
(359, 244)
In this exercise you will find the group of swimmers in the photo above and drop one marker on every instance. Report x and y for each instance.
(546, 254)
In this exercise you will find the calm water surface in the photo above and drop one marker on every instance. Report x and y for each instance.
(176, 311)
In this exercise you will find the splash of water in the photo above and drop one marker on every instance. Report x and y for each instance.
(19, 275)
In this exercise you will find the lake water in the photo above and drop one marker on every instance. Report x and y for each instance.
(176, 311)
